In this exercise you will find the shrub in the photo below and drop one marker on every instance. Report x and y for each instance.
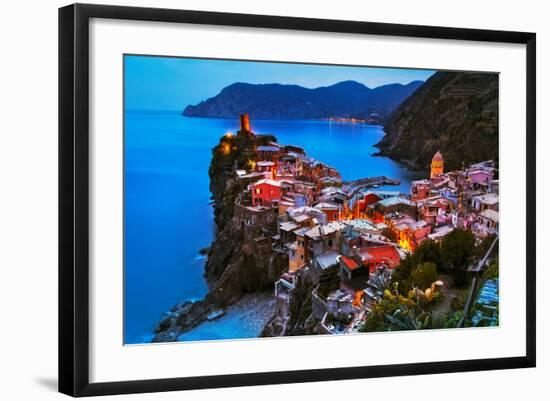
(424, 275)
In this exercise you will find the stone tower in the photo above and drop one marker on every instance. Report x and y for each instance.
(245, 123)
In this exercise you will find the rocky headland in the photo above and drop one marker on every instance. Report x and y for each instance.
(240, 259)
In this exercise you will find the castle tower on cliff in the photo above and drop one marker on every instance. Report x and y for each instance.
(437, 165)
(245, 125)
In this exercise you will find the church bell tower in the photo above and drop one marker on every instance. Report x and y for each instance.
(437, 165)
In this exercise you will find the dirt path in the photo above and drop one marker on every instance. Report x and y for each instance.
(444, 305)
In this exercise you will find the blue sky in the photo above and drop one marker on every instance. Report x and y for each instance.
(166, 83)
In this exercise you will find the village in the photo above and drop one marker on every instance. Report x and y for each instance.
(348, 238)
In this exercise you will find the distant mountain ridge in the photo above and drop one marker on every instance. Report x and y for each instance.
(453, 112)
(346, 99)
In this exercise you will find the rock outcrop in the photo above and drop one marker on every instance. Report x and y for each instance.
(300, 319)
(241, 259)
(182, 318)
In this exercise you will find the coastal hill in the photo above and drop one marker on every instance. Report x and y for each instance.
(455, 113)
(347, 99)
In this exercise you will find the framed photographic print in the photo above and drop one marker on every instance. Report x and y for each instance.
(250, 199)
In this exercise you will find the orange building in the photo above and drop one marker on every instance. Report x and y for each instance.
(437, 165)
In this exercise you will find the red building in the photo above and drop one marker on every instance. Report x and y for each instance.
(367, 260)
(384, 254)
(371, 198)
(266, 193)
(420, 190)
(360, 210)
(331, 210)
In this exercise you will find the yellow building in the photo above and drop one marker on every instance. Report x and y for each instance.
(437, 165)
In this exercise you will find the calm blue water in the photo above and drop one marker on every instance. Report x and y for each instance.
(167, 213)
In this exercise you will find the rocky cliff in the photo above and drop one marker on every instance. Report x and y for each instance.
(454, 112)
(275, 101)
(300, 320)
(241, 259)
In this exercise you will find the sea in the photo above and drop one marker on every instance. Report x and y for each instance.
(168, 216)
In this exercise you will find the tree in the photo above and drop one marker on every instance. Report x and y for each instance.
(428, 251)
(457, 251)
(424, 275)
(491, 272)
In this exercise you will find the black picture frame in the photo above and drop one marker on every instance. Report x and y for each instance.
(74, 194)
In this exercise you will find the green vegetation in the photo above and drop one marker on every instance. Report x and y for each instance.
(457, 252)
(451, 320)
(408, 318)
(398, 312)
(451, 109)
(427, 252)
(484, 246)
(453, 257)
(416, 276)
(491, 272)
(424, 275)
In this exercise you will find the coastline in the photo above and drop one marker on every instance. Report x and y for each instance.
(245, 318)
(230, 258)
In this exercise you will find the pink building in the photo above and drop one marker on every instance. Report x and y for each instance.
(483, 177)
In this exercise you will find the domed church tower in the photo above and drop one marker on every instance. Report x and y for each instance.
(437, 165)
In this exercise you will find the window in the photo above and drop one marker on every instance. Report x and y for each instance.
(258, 191)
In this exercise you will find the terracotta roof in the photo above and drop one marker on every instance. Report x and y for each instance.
(350, 263)
(383, 252)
